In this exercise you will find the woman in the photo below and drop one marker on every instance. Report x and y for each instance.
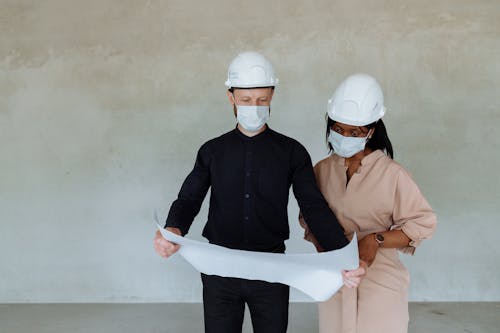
(375, 197)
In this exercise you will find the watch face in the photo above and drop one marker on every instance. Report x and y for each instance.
(380, 238)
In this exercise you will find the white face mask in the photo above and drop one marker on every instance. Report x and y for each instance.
(252, 117)
(346, 146)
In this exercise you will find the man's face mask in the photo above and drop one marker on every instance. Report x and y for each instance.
(252, 117)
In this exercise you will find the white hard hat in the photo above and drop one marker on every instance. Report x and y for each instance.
(358, 101)
(250, 70)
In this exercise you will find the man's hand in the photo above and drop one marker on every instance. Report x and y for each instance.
(368, 248)
(353, 278)
(162, 246)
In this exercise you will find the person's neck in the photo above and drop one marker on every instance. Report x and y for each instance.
(251, 134)
(356, 159)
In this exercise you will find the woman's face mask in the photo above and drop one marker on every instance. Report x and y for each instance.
(346, 146)
(252, 117)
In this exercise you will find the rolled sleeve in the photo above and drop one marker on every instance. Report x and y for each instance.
(412, 213)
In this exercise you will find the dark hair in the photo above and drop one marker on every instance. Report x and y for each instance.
(379, 140)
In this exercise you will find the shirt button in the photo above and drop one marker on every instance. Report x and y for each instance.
(246, 218)
(248, 174)
(247, 196)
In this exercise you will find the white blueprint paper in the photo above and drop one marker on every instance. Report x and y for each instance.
(317, 275)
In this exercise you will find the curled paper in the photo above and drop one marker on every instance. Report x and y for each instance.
(318, 275)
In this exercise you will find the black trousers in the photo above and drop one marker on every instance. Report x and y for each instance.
(224, 304)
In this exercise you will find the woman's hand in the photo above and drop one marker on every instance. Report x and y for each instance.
(368, 248)
(353, 278)
(308, 235)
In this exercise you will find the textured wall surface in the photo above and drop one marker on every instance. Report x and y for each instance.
(103, 105)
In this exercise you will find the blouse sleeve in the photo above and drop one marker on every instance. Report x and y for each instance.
(412, 213)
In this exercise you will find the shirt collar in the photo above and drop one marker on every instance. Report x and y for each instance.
(372, 157)
(367, 160)
(264, 133)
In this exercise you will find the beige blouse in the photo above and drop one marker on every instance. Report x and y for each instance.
(380, 196)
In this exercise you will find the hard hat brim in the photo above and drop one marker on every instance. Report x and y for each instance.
(352, 122)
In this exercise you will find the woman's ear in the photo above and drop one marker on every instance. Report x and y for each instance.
(370, 134)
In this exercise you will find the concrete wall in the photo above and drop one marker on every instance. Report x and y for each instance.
(103, 105)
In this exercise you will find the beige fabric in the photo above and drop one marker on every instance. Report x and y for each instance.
(381, 196)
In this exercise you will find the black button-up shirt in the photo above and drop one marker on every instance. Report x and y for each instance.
(250, 178)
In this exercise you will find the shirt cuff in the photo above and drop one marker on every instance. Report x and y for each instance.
(415, 241)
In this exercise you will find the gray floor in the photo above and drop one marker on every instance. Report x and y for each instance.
(156, 318)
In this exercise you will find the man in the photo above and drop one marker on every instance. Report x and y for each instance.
(250, 171)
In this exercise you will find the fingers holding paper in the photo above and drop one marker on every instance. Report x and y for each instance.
(353, 278)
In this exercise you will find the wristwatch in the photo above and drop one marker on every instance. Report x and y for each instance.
(379, 238)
